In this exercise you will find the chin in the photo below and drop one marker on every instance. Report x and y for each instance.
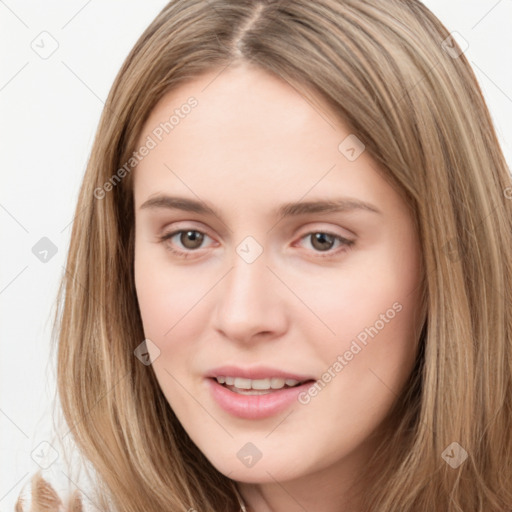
(269, 471)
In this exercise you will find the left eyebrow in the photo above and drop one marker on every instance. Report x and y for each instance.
(343, 204)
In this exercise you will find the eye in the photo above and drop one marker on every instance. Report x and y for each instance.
(190, 240)
(322, 241)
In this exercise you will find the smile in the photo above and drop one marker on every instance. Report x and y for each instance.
(256, 386)
(243, 399)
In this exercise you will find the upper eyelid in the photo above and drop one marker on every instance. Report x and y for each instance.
(173, 232)
(313, 229)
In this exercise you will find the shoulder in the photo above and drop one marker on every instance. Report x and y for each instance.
(64, 482)
(42, 495)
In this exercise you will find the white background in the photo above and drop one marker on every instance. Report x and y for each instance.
(49, 113)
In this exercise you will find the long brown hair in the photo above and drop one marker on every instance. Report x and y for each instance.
(391, 71)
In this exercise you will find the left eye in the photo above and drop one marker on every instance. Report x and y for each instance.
(324, 241)
(192, 239)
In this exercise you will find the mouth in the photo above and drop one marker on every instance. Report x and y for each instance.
(257, 393)
(244, 386)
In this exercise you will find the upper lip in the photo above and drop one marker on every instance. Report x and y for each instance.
(256, 372)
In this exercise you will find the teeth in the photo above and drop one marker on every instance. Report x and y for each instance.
(276, 383)
(242, 383)
(259, 384)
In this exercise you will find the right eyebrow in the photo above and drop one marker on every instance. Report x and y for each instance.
(178, 203)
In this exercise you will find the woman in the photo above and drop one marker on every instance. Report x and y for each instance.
(289, 284)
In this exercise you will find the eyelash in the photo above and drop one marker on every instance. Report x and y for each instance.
(345, 244)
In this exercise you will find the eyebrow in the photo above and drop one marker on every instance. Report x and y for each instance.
(342, 204)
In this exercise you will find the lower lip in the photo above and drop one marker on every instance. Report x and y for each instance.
(254, 407)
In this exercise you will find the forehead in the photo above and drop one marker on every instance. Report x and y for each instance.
(242, 129)
(244, 107)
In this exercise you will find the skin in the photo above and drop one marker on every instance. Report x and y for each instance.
(252, 143)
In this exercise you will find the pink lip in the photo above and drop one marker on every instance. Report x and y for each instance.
(254, 407)
(257, 372)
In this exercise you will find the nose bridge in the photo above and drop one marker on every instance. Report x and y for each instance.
(248, 301)
(246, 283)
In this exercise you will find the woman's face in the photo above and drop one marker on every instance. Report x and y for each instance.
(269, 248)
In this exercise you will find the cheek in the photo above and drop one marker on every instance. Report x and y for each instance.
(174, 303)
(373, 309)
(166, 297)
(379, 287)
(165, 292)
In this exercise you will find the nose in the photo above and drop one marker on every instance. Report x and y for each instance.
(251, 302)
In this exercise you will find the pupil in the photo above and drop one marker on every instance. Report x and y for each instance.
(323, 238)
(191, 236)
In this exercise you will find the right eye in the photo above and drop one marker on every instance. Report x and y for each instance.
(190, 240)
